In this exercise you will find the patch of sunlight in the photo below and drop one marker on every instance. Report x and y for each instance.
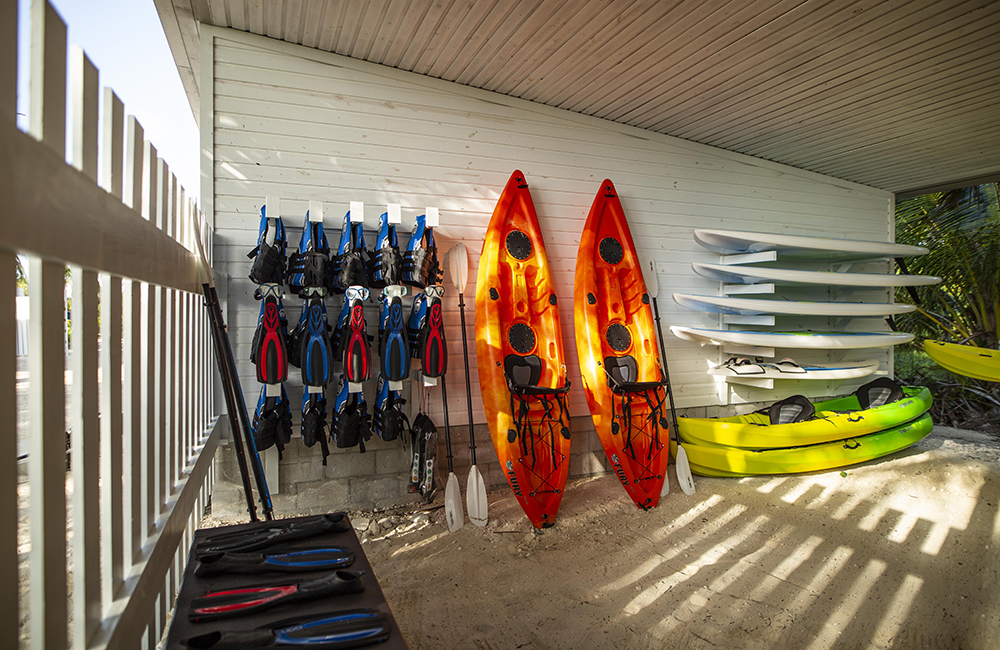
(769, 487)
(852, 501)
(799, 490)
(412, 546)
(651, 594)
(700, 597)
(781, 573)
(232, 170)
(833, 565)
(896, 613)
(724, 581)
(902, 529)
(646, 567)
(227, 120)
(691, 514)
(855, 596)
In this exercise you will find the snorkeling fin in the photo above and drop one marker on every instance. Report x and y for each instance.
(301, 561)
(432, 347)
(315, 354)
(272, 421)
(269, 255)
(331, 631)
(387, 262)
(357, 351)
(394, 345)
(230, 603)
(415, 324)
(276, 532)
(269, 349)
(389, 421)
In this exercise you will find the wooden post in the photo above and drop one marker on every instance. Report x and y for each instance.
(85, 428)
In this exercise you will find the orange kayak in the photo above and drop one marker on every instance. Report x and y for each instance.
(619, 358)
(522, 369)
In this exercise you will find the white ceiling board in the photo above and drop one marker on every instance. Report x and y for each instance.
(898, 96)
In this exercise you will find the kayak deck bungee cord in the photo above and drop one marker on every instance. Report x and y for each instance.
(616, 345)
(243, 601)
(522, 368)
(297, 561)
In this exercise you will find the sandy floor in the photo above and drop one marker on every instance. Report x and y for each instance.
(900, 553)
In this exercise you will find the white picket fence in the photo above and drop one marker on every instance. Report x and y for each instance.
(143, 429)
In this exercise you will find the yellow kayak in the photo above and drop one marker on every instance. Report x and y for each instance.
(835, 419)
(728, 461)
(966, 360)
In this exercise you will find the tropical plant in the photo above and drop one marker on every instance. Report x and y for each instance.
(962, 230)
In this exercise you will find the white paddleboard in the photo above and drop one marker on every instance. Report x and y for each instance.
(754, 274)
(787, 369)
(815, 340)
(731, 242)
(757, 306)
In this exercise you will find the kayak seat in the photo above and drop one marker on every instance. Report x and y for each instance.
(791, 409)
(879, 392)
(523, 374)
(622, 373)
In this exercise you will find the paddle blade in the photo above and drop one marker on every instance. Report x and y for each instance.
(453, 504)
(665, 490)
(649, 275)
(458, 264)
(475, 495)
(684, 470)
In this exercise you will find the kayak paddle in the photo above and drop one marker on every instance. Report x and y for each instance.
(452, 495)
(475, 491)
(681, 464)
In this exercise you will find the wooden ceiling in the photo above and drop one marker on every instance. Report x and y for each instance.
(902, 96)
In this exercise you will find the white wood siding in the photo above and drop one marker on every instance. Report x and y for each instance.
(309, 125)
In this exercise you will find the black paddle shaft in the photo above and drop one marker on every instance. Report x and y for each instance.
(468, 383)
(666, 371)
(447, 429)
(230, 375)
(234, 423)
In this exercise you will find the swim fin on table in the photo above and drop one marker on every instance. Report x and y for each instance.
(242, 601)
(331, 631)
(299, 561)
(269, 255)
(272, 421)
(276, 532)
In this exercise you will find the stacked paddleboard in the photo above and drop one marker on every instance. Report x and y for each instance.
(742, 274)
(794, 435)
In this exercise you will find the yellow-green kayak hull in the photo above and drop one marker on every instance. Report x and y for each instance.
(835, 419)
(729, 461)
(966, 360)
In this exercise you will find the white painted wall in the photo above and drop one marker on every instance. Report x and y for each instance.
(308, 125)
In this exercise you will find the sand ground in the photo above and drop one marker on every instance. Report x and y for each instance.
(901, 552)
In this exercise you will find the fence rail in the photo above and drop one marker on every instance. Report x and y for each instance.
(142, 428)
